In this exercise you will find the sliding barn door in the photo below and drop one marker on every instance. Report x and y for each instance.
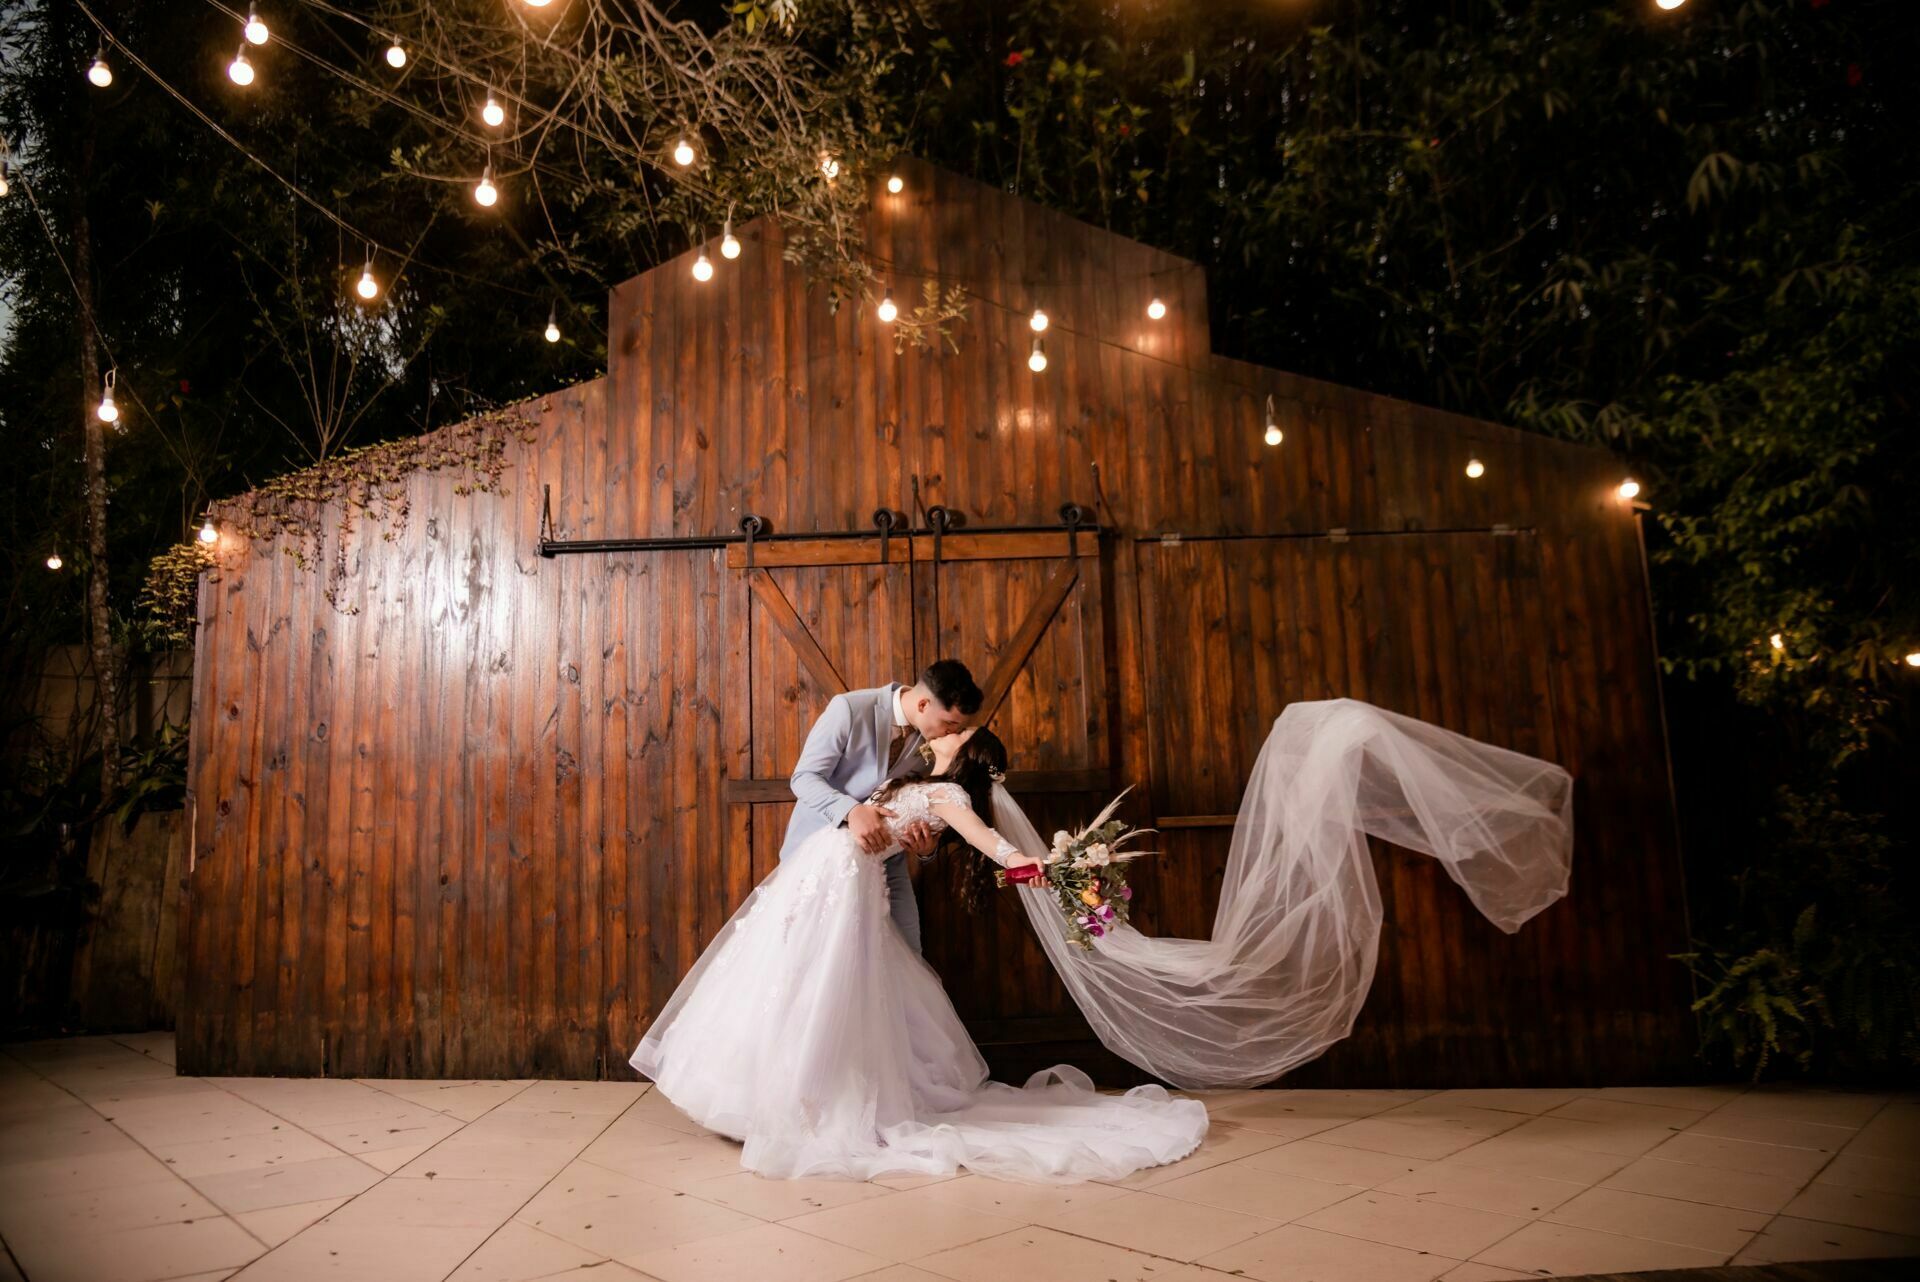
(1445, 627)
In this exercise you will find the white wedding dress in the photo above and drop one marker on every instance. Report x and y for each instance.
(813, 1033)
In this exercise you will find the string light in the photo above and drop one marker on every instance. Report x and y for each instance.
(1475, 469)
(703, 267)
(107, 411)
(1669, 5)
(5, 187)
(729, 247)
(1038, 321)
(683, 153)
(396, 56)
(1913, 658)
(895, 184)
(886, 311)
(1156, 309)
(240, 71)
(1629, 490)
(1273, 436)
(256, 30)
(208, 532)
(368, 288)
(1777, 641)
(536, 4)
(493, 113)
(829, 166)
(553, 324)
(53, 560)
(484, 192)
(1037, 361)
(100, 73)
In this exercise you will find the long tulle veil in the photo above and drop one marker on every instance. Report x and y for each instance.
(1298, 928)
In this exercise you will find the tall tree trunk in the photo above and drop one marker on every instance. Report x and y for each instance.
(106, 670)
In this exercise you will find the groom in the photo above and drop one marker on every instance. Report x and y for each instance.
(864, 739)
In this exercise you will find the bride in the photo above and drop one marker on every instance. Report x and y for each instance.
(813, 1032)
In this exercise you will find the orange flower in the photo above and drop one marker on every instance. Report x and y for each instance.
(1090, 897)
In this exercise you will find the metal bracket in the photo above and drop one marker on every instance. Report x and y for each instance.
(753, 527)
(1337, 535)
(887, 520)
(1171, 540)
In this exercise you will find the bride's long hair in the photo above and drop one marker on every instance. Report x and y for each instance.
(974, 767)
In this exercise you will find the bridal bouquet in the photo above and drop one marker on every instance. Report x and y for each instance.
(1087, 872)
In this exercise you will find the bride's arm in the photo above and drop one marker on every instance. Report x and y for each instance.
(982, 838)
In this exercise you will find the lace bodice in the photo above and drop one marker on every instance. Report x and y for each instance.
(914, 802)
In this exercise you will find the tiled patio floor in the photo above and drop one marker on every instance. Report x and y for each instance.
(112, 1168)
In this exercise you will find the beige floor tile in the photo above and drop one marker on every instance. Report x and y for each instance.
(194, 1119)
(362, 1252)
(1858, 1208)
(1483, 1189)
(1512, 1154)
(465, 1100)
(1251, 1190)
(1630, 1113)
(1775, 1130)
(1851, 1109)
(1403, 1139)
(763, 1251)
(1620, 1138)
(901, 1183)
(903, 1227)
(1872, 1174)
(1787, 1238)
(1437, 1111)
(1894, 1132)
(1559, 1249)
(1034, 1253)
(1797, 1164)
(135, 1255)
(1472, 1272)
(1021, 1203)
(1157, 1225)
(1662, 1219)
(312, 1102)
(614, 1216)
(775, 1200)
(278, 1223)
(1744, 1190)
(468, 1157)
(657, 1109)
(294, 1182)
(243, 1152)
(900, 1273)
(604, 1099)
(1223, 1144)
(519, 1252)
(1701, 1098)
(1295, 1253)
(390, 1161)
(411, 1126)
(1457, 1232)
(121, 1167)
(1335, 1163)
(1281, 1113)
(69, 1132)
(1516, 1100)
(105, 1210)
(678, 1165)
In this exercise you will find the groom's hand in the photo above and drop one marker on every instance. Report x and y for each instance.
(917, 839)
(868, 824)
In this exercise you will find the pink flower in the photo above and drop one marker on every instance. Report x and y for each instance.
(1096, 930)
(1106, 912)
(1126, 892)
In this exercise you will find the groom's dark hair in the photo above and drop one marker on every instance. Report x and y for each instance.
(949, 681)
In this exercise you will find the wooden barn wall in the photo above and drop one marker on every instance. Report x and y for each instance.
(479, 819)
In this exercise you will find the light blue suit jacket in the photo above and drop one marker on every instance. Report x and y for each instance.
(844, 760)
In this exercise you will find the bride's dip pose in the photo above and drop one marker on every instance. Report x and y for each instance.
(813, 1032)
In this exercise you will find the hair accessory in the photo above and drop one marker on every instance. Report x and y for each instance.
(998, 776)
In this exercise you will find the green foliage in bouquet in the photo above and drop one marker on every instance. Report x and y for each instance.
(1087, 873)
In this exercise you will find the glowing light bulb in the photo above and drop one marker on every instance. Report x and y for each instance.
(536, 4)
(100, 73)
(1273, 436)
(484, 192)
(1629, 490)
(683, 153)
(1777, 641)
(1156, 309)
(256, 30)
(1669, 5)
(729, 246)
(1038, 322)
(887, 311)
(208, 534)
(492, 112)
(553, 331)
(4, 186)
(396, 56)
(829, 166)
(54, 562)
(106, 411)
(703, 268)
(1037, 361)
(240, 71)
(1475, 469)
(1913, 658)
(895, 185)
(368, 288)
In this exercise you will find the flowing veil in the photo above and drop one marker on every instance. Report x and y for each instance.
(1298, 928)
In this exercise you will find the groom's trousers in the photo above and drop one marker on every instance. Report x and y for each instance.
(900, 901)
